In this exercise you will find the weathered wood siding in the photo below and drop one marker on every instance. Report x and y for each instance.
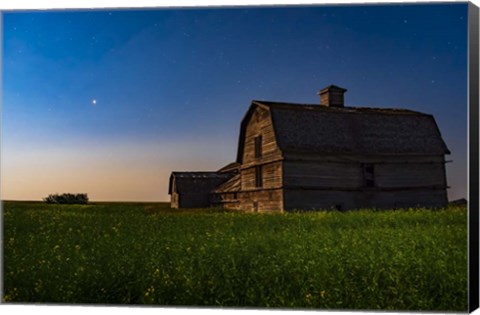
(350, 175)
(271, 176)
(174, 200)
(261, 200)
(252, 201)
(409, 175)
(353, 158)
(329, 181)
(260, 123)
(305, 199)
(269, 195)
(229, 200)
(322, 174)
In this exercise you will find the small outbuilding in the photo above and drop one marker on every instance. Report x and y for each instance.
(193, 189)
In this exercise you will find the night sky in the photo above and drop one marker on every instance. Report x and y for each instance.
(109, 102)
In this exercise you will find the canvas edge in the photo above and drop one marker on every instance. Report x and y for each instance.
(473, 106)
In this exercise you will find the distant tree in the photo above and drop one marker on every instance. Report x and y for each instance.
(67, 198)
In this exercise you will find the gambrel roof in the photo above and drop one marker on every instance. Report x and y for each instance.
(349, 130)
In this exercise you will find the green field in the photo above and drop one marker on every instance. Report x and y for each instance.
(150, 254)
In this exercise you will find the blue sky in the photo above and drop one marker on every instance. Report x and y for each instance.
(170, 86)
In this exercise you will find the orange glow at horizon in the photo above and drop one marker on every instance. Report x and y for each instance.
(111, 173)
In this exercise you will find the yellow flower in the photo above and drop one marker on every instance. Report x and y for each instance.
(149, 291)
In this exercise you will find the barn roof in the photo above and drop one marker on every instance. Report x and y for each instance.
(196, 181)
(350, 130)
(231, 167)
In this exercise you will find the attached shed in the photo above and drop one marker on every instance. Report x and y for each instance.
(193, 189)
(227, 194)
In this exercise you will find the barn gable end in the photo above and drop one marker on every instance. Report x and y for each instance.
(261, 161)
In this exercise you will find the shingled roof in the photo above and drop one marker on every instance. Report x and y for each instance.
(350, 130)
(197, 181)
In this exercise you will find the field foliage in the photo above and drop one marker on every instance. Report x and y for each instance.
(150, 254)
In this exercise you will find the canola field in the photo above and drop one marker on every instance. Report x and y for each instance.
(147, 253)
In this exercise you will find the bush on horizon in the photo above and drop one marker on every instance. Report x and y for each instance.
(67, 198)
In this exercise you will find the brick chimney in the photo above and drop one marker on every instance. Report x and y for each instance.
(332, 96)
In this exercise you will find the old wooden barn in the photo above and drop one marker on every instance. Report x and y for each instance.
(304, 156)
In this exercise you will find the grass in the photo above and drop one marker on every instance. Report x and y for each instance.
(151, 254)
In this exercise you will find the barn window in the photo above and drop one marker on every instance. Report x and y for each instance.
(369, 175)
(258, 146)
(258, 176)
